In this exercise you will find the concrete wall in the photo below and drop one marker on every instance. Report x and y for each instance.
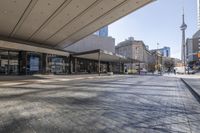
(93, 42)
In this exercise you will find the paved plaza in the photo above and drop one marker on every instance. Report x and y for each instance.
(115, 104)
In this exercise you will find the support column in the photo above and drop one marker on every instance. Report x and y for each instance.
(139, 67)
(120, 66)
(0, 60)
(8, 71)
(44, 63)
(66, 65)
(70, 65)
(22, 63)
(99, 63)
(123, 68)
(75, 65)
(108, 67)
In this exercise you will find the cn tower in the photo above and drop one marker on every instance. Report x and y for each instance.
(183, 50)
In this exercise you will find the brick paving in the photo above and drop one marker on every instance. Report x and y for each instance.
(125, 104)
(194, 84)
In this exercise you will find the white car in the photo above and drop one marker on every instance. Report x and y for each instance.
(143, 71)
(180, 70)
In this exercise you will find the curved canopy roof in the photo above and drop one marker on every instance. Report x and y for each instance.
(60, 23)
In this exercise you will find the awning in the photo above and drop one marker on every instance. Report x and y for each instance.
(104, 56)
(25, 47)
(60, 23)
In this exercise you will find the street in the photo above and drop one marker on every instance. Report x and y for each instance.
(119, 104)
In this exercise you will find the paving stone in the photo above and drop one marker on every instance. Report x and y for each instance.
(125, 104)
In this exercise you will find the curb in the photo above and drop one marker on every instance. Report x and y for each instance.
(193, 92)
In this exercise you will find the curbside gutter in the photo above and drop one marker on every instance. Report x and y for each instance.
(193, 92)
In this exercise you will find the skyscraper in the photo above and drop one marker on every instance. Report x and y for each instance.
(103, 32)
(198, 14)
(183, 51)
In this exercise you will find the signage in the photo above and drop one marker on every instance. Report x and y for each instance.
(34, 63)
(198, 55)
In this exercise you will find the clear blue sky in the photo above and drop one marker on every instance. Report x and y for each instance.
(158, 22)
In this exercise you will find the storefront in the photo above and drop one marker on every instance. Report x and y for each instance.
(9, 64)
(99, 61)
(89, 66)
(13, 62)
(58, 64)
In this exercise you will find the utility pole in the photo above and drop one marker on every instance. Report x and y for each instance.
(157, 55)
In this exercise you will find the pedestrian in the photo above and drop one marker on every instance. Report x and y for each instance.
(175, 71)
(169, 70)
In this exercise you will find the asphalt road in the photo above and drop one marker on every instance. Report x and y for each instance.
(135, 104)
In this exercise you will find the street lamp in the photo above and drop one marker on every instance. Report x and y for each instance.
(157, 55)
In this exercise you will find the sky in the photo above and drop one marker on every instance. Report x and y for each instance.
(158, 22)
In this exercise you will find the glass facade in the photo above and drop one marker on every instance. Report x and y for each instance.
(198, 14)
(58, 64)
(34, 65)
(89, 66)
(9, 64)
(165, 51)
(103, 32)
(29, 63)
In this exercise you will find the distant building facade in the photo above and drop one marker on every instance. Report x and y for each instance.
(93, 42)
(165, 51)
(193, 49)
(103, 32)
(136, 50)
(190, 52)
(198, 14)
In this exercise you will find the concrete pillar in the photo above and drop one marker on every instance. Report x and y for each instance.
(75, 65)
(99, 63)
(123, 68)
(108, 67)
(0, 60)
(8, 71)
(44, 63)
(120, 67)
(22, 62)
(139, 67)
(66, 65)
(70, 69)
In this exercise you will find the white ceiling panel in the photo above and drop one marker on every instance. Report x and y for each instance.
(42, 10)
(10, 13)
(89, 16)
(71, 11)
(60, 23)
(118, 12)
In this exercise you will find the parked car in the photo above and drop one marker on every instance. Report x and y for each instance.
(180, 70)
(190, 71)
(143, 71)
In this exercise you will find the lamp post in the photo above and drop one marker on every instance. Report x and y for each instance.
(157, 55)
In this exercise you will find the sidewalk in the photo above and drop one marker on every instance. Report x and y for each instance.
(191, 81)
(17, 80)
(194, 86)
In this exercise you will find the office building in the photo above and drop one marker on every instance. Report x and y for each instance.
(198, 14)
(165, 51)
(136, 50)
(93, 42)
(103, 32)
